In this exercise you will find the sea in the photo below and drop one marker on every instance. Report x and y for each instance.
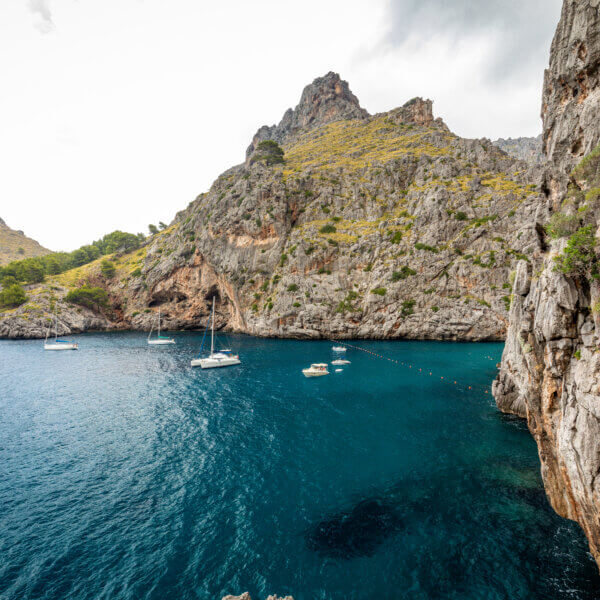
(127, 474)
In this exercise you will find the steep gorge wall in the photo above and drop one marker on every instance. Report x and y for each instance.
(550, 370)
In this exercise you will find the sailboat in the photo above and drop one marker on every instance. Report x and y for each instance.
(223, 358)
(161, 339)
(58, 344)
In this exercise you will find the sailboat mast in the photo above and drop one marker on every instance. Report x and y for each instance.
(159, 322)
(55, 325)
(212, 331)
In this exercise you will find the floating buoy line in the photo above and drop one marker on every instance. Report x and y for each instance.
(416, 369)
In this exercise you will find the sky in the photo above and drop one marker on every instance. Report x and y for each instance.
(117, 113)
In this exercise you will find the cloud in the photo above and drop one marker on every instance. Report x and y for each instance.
(517, 33)
(42, 15)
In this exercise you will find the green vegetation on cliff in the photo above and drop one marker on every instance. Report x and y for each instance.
(34, 270)
(269, 152)
(90, 297)
(12, 296)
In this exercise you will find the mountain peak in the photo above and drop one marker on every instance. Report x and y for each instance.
(323, 101)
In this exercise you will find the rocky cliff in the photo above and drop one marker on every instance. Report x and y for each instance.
(383, 226)
(529, 149)
(551, 366)
(15, 245)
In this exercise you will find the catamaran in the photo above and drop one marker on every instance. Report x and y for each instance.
(222, 358)
(161, 339)
(58, 344)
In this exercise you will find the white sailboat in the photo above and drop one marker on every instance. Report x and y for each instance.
(58, 344)
(161, 339)
(223, 358)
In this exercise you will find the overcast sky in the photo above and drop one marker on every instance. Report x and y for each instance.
(117, 113)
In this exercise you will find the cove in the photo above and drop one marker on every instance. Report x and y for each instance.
(127, 474)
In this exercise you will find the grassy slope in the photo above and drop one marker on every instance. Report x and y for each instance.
(16, 246)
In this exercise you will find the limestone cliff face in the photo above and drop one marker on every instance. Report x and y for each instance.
(528, 149)
(383, 226)
(571, 97)
(550, 370)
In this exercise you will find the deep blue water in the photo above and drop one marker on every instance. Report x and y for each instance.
(124, 473)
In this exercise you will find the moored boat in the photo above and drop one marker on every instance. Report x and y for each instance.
(222, 358)
(161, 340)
(58, 344)
(340, 361)
(316, 370)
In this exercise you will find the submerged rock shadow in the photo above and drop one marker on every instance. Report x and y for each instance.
(355, 532)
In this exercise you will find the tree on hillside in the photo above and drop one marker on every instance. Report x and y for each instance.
(79, 257)
(8, 280)
(153, 229)
(268, 151)
(30, 270)
(162, 225)
(107, 268)
(33, 270)
(94, 298)
(12, 296)
(118, 241)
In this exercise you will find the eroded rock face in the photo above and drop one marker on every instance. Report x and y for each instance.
(570, 105)
(325, 100)
(528, 149)
(384, 226)
(550, 370)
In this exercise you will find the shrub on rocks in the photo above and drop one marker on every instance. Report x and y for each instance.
(12, 296)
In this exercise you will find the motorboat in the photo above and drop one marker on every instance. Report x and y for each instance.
(339, 348)
(161, 340)
(340, 361)
(222, 358)
(316, 370)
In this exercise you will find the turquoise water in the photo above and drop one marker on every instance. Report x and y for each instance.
(125, 474)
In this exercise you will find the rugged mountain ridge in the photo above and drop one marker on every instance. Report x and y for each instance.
(325, 100)
(382, 226)
(551, 366)
(15, 245)
(529, 149)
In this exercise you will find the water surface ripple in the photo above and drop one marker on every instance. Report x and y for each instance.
(126, 474)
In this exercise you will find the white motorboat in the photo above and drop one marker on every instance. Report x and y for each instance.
(339, 348)
(316, 370)
(161, 340)
(340, 361)
(339, 370)
(58, 344)
(222, 358)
